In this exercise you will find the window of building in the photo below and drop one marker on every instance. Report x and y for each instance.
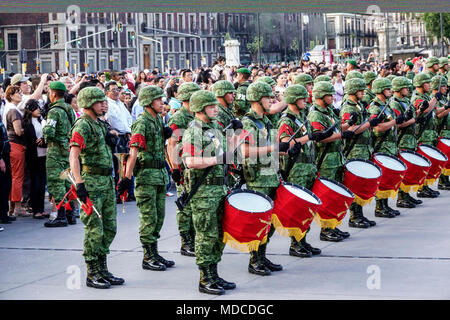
(103, 40)
(221, 20)
(192, 26)
(169, 21)
(204, 45)
(192, 45)
(214, 45)
(12, 41)
(116, 39)
(130, 39)
(181, 22)
(73, 36)
(45, 39)
(90, 39)
(101, 17)
(157, 17)
(202, 19)
(181, 45)
(170, 45)
(130, 19)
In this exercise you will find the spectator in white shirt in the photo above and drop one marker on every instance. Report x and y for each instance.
(22, 82)
(338, 84)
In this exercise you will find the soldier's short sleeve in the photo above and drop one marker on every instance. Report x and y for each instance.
(374, 110)
(138, 135)
(80, 133)
(345, 114)
(191, 143)
(395, 106)
(285, 129)
(175, 124)
(248, 131)
(49, 130)
(316, 121)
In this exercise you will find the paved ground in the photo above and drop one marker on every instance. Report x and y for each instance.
(407, 257)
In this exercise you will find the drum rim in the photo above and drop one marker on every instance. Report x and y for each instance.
(340, 185)
(417, 154)
(368, 161)
(250, 191)
(306, 190)
(393, 157)
(436, 149)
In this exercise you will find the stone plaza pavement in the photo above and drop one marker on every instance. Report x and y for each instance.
(407, 257)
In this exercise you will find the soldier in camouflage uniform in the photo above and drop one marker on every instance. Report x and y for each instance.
(56, 133)
(369, 77)
(241, 105)
(260, 173)
(409, 71)
(351, 75)
(432, 65)
(443, 67)
(147, 163)
(384, 136)
(179, 122)
(406, 139)
(329, 150)
(277, 106)
(93, 177)
(203, 148)
(298, 166)
(224, 92)
(354, 113)
(444, 132)
(307, 81)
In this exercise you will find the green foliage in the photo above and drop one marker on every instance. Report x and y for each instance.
(433, 24)
(228, 37)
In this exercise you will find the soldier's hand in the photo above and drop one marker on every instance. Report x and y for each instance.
(420, 120)
(283, 147)
(438, 96)
(167, 132)
(424, 106)
(347, 134)
(176, 176)
(375, 121)
(400, 119)
(225, 157)
(295, 150)
(236, 124)
(336, 112)
(123, 185)
(353, 118)
(410, 114)
(81, 192)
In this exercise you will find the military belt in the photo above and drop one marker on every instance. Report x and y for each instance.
(153, 164)
(96, 170)
(214, 181)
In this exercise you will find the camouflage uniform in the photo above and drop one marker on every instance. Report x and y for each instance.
(368, 94)
(429, 135)
(240, 104)
(304, 79)
(389, 145)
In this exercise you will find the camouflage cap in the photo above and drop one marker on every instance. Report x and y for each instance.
(303, 79)
(354, 85)
(268, 80)
(354, 74)
(186, 89)
(431, 61)
(222, 87)
(90, 95)
(381, 84)
(369, 76)
(148, 94)
(443, 61)
(258, 90)
(57, 85)
(322, 78)
(391, 77)
(323, 88)
(420, 79)
(201, 99)
(437, 82)
(400, 82)
(295, 92)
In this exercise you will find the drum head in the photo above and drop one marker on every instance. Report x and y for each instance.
(390, 162)
(337, 188)
(445, 141)
(363, 169)
(302, 193)
(415, 159)
(249, 201)
(433, 153)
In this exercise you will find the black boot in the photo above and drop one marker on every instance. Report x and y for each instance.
(314, 251)
(370, 222)
(381, 211)
(444, 183)
(220, 281)
(435, 192)
(386, 204)
(255, 265)
(187, 249)
(424, 193)
(403, 200)
(167, 263)
(269, 264)
(60, 220)
(343, 234)
(327, 234)
(94, 278)
(106, 274)
(71, 217)
(356, 219)
(150, 261)
(207, 284)
(298, 250)
(413, 200)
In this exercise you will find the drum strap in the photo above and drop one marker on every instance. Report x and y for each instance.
(184, 198)
(404, 129)
(383, 138)
(322, 156)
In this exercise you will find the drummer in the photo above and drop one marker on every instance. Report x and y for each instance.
(299, 166)
(307, 81)
(260, 169)
(329, 156)
(406, 140)
(360, 147)
(385, 134)
(444, 132)
(369, 76)
(202, 148)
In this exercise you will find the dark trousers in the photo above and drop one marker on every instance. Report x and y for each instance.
(37, 193)
(5, 188)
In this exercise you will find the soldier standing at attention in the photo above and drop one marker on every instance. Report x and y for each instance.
(94, 179)
(178, 123)
(146, 161)
(56, 133)
(241, 105)
(203, 150)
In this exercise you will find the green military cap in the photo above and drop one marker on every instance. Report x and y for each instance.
(354, 74)
(437, 82)
(295, 92)
(57, 85)
(222, 87)
(148, 94)
(322, 78)
(352, 62)
(257, 90)
(369, 76)
(432, 61)
(443, 61)
(323, 88)
(90, 95)
(303, 79)
(420, 79)
(268, 80)
(400, 82)
(243, 70)
(186, 89)
(201, 99)
(409, 64)
(354, 85)
(381, 84)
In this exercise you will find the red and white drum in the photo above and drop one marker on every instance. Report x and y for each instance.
(438, 160)
(418, 167)
(394, 170)
(444, 146)
(362, 177)
(247, 219)
(294, 210)
(336, 199)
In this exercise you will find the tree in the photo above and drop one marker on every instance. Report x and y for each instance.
(433, 25)
(295, 46)
(253, 46)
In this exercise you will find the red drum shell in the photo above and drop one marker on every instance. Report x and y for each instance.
(436, 165)
(415, 174)
(364, 188)
(390, 179)
(445, 148)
